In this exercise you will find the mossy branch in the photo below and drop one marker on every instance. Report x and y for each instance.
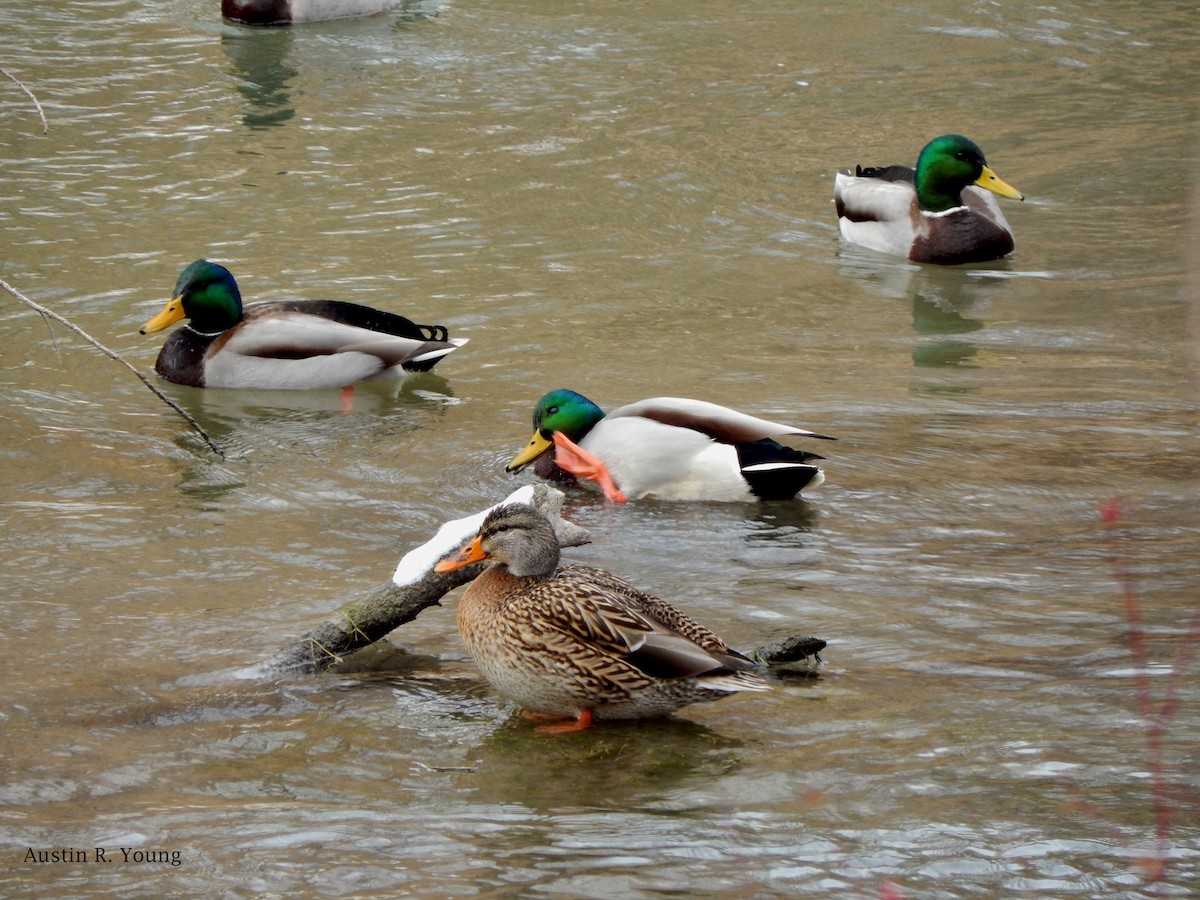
(13, 78)
(46, 313)
(413, 588)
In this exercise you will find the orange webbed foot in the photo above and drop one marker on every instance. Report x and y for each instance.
(570, 457)
(544, 717)
(583, 723)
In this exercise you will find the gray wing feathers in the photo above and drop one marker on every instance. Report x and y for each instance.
(727, 426)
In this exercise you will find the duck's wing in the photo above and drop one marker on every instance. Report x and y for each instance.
(295, 330)
(587, 613)
(656, 609)
(367, 317)
(721, 424)
(875, 194)
(904, 174)
(712, 457)
(877, 211)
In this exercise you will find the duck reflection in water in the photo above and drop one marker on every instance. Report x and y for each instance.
(945, 301)
(518, 767)
(260, 57)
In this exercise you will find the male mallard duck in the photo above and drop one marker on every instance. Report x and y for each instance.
(666, 447)
(578, 642)
(298, 344)
(933, 213)
(289, 12)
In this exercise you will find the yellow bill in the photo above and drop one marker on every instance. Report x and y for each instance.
(536, 447)
(170, 314)
(990, 181)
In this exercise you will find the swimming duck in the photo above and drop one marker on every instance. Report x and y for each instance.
(934, 213)
(577, 642)
(289, 12)
(297, 344)
(666, 447)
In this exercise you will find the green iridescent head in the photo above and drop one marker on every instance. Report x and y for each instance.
(205, 293)
(566, 411)
(948, 164)
(563, 411)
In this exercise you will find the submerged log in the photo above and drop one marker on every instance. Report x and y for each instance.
(793, 649)
(415, 586)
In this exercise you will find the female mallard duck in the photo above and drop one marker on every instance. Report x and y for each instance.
(576, 642)
(297, 344)
(666, 447)
(933, 213)
(290, 12)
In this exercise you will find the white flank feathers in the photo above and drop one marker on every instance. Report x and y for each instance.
(326, 10)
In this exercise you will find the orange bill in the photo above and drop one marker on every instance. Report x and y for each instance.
(472, 553)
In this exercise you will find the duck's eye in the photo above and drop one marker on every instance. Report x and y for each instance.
(552, 410)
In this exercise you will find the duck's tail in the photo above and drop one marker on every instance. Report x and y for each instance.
(426, 360)
(776, 472)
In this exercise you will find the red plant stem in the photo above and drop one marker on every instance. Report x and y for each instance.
(1153, 721)
(1170, 701)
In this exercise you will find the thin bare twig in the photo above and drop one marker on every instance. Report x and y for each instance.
(51, 314)
(15, 80)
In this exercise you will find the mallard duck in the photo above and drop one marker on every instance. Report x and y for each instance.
(297, 344)
(934, 213)
(577, 642)
(666, 447)
(290, 12)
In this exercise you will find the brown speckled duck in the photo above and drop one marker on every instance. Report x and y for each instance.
(576, 642)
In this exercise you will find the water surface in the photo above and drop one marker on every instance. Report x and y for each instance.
(628, 202)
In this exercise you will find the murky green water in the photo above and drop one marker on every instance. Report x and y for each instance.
(628, 201)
